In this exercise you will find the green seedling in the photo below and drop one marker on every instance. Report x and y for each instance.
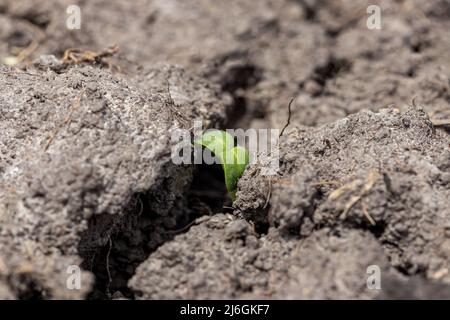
(233, 159)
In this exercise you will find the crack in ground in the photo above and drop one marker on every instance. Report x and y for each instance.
(142, 231)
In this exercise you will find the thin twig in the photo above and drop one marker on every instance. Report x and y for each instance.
(440, 122)
(66, 121)
(142, 206)
(289, 117)
(269, 193)
(367, 214)
(183, 228)
(326, 182)
(413, 102)
(107, 268)
(233, 208)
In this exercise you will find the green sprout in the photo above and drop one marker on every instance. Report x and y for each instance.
(233, 159)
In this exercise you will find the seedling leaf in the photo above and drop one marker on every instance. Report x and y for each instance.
(233, 159)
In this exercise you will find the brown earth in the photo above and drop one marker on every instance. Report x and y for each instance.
(86, 176)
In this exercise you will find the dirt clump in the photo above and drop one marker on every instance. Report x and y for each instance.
(386, 173)
(224, 257)
(78, 145)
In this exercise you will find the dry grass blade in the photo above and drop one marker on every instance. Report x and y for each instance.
(369, 184)
(27, 51)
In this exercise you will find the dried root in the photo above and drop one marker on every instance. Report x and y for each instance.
(78, 56)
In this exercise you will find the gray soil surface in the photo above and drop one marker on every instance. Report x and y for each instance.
(86, 176)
